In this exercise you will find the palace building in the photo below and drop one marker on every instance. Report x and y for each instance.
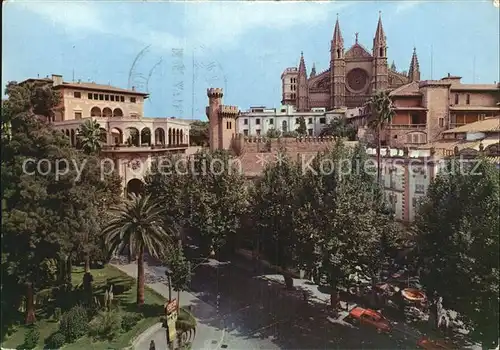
(353, 75)
(129, 139)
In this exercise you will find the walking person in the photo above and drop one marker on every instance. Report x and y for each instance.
(152, 345)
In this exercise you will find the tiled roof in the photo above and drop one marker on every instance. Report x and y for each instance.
(487, 125)
(410, 89)
(450, 145)
(99, 87)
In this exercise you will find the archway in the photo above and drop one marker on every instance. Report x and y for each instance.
(146, 136)
(107, 112)
(135, 186)
(117, 112)
(117, 136)
(160, 136)
(177, 136)
(95, 112)
(182, 137)
(73, 138)
(169, 136)
(134, 137)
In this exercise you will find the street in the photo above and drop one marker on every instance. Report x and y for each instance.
(248, 312)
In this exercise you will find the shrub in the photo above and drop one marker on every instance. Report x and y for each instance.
(106, 326)
(57, 313)
(55, 340)
(74, 323)
(31, 337)
(130, 320)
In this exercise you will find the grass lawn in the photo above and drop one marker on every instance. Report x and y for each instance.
(152, 311)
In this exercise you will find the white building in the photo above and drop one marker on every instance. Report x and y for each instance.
(257, 121)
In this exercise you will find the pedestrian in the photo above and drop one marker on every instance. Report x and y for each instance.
(152, 345)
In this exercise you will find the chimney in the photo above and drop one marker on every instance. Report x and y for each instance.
(57, 79)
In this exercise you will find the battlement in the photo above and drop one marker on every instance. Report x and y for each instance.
(215, 93)
(285, 140)
(229, 111)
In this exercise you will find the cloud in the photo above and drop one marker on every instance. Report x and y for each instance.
(406, 5)
(213, 24)
(226, 22)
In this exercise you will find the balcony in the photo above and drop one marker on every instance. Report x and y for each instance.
(143, 148)
(407, 126)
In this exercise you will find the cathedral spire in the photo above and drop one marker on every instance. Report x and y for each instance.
(379, 42)
(414, 72)
(393, 66)
(313, 71)
(302, 64)
(337, 41)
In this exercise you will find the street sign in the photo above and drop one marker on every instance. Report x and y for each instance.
(171, 314)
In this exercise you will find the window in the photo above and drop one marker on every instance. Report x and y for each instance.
(297, 120)
(441, 122)
(258, 132)
(291, 80)
(132, 99)
(322, 120)
(245, 121)
(392, 179)
(284, 126)
(310, 121)
(89, 96)
(283, 110)
(419, 188)
(77, 94)
(122, 98)
(78, 115)
(96, 96)
(106, 97)
(415, 119)
(245, 132)
(310, 132)
(467, 99)
(271, 121)
(456, 99)
(117, 98)
(228, 125)
(101, 97)
(112, 97)
(257, 121)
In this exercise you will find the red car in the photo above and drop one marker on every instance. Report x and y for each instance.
(425, 343)
(370, 318)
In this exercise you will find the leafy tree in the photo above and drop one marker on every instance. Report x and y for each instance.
(273, 133)
(198, 134)
(458, 239)
(138, 224)
(302, 129)
(341, 221)
(272, 202)
(179, 271)
(339, 128)
(89, 135)
(382, 113)
(42, 209)
(216, 200)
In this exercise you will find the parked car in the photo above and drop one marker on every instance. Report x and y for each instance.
(429, 344)
(371, 318)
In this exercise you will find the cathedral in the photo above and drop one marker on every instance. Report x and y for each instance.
(352, 77)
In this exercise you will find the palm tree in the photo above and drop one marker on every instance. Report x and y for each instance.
(382, 112)
(138, 224)
(89, 135)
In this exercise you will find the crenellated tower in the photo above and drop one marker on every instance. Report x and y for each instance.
(380, 80)
(302, 89)
(337, 68)
(414, 71)
(222, 120)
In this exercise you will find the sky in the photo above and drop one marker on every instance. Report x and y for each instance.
(176, 50)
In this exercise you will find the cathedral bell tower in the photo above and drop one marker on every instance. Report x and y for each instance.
(337, 69)
(380, 79)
